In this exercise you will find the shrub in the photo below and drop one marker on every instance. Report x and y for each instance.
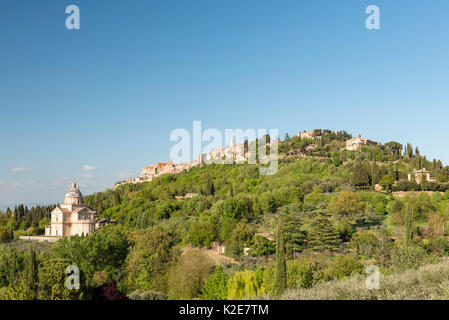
(344, 266)
(244, 284)
(147, 295)
(300, 273)
(5, 234)
(365, 242)
(410, 257)
(261, 246)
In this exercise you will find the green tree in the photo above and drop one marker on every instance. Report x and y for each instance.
(244, 284)
(202, 234)
(336, 159)
(243, 232)
(293, 235)
(52, 277)
(216, 286)
(408, 225)
(209, 189)
(346, 204)
(32, 280)
(323, 235)
(189, 275)
(280, 282)
(105, 250)
(387, 182)
(149, 261)
(261, 246)
(6, 234)
(361, 175)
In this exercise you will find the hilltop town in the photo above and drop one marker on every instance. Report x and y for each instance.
(237, 153)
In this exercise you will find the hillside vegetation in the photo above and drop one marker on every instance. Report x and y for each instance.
(316, 221)
(430, 282)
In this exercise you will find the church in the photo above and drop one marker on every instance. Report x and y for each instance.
(73, 217)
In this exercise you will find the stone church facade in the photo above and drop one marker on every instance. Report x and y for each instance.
(73, 217)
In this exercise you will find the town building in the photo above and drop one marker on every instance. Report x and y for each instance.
(308, 135)
(358, 142)
(418, 175)
(228, 154)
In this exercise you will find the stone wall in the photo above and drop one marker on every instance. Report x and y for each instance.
(40, 238)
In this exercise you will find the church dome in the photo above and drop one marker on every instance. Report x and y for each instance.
(73, 196)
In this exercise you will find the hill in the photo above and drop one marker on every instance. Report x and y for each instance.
(333, 207)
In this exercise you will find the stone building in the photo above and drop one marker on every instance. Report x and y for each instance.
(419, 174)
(308, 135)
(73, 217)
(358, 142)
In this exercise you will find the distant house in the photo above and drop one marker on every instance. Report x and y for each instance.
(307, 134)
(103, 222)
(266, 235)
(378, 187)
(358, 142)
(187, 196)
(418, 175)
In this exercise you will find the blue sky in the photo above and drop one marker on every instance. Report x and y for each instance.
(108, 95)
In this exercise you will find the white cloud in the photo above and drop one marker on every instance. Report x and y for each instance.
(18, 170)
(87, 167)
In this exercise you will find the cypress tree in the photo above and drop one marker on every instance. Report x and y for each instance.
(117, 198)
(375, 174)
(209, 189)
(408, 225)
(32, 273)
(323, 235)
(280, 281)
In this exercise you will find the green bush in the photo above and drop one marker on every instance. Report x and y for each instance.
(410, 257)
(6, 234)
(216, 286)
(147, 295)
(261, 246)
(300, 273)
(364, 242)
(344, 266)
